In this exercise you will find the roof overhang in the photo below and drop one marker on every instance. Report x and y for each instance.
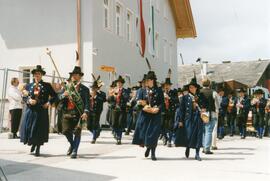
(185, 27)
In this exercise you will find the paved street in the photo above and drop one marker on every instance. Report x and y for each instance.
(235, 160)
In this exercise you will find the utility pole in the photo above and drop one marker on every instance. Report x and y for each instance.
(78, 57)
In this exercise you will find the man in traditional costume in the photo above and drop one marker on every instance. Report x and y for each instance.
(75, 110)
(118, 99)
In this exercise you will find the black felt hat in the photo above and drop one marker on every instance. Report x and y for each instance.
(77, 70)
(38, 69)
(120, 79)
(259, 91)
(151, 75)
(194, 83)
(168, 81)
(185, 88)
(113, 84)
(94, 85)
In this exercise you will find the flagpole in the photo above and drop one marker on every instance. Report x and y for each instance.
(78, 60)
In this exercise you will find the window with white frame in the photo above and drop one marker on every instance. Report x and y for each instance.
(129, 26)
(107, 14)
(25, 76)
(118, 19)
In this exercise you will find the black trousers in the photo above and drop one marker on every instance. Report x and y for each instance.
(258, 120)
(59, 121)
(15, 115)
(221, 121)
(93, 121)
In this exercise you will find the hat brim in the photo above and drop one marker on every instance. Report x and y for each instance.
(37, 70)
(150, 78)
(80, 73)
(195, 85)
(121, 80)
(258, 92)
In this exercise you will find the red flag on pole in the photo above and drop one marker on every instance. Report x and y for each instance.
(142, 30)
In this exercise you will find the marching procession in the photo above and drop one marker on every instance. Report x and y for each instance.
(193, 116)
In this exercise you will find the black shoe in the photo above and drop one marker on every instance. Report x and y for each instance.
(197, 157)
(243, 137)
(33, 148)
(153, 158)
(187, 152)
(153, 154)
(208, 152)
(169, 145)
(231, 135)
(73, 155)
(37, 153)
(118, 142)
(69, 150)
(15, 136)
(214, 148)
(127, 133)
(146, 154)
(93, 141)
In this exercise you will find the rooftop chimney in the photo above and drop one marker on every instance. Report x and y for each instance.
(204, 68)
(226, 61)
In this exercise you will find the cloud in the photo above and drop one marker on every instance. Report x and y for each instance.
(236, 30)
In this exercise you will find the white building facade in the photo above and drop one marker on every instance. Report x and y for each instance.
(109, 36)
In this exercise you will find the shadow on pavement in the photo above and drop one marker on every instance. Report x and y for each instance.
(64, 155)
(87, 156)
(233, 153)
(26, 171)
(192, 158)
(101, 142)
(170, 159)
(231, 148)
(228, 159)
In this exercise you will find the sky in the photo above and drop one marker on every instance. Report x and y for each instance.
(228, 30)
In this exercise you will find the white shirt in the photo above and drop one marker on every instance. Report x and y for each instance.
(217, 100)
(14, 98)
